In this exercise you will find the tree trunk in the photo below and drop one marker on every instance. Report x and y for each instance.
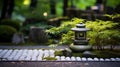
(10, 8)
(111, 47)
(33, 4)
(4, 9)
(52, 6)
(7, 9)
(65, 6)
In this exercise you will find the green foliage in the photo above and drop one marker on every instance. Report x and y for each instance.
(12, 23)
(113, 3)
(64, 28)
(6, 33)
(42, 6)
(107, 53)
(58, 53)
(101, 32)
(112, 16)
(82, 4)
(50, 58)
(67, 38)
(99, 25)
(59, 6)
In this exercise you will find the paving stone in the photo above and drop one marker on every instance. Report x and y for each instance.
(40, 51)
(78, 58)
(46, 54)
(73, 58)
(27, 58)
(39, 58)
(13, 54)
(3, 53)
(101, 59)
(117, 59)
(21, 58)
(83, 59)
(7, 54)
(62, 58)
(96, 59)
(107, 59)
(34, 58)
(18, 55)
(90, 59)
(40, 55)
(51, 50)
(35, 52)
(46, 51)
(113, 59)
(67, 58)
(1, 50)
(58, 57)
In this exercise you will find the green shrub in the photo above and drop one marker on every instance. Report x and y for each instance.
(65, 27)
(6, 33)
(101, 33)
(67, 38)
(11, 23)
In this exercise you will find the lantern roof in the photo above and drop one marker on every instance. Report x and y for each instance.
(79, 29)
(80, 25)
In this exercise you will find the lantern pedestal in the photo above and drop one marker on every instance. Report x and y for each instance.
(80, 41)
(81, 48)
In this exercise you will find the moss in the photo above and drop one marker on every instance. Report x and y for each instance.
(58, 53)
(50, 58)
(107, 53)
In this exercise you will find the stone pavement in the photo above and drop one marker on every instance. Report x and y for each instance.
(15, 57)
(39, 55)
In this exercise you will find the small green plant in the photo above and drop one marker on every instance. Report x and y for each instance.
(50, 58)
(58, 53)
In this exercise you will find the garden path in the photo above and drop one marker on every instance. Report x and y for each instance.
(32, 56)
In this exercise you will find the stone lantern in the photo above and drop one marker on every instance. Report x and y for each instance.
(80, 41)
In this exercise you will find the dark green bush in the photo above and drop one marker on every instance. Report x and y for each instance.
(12, 23)
(6, 33)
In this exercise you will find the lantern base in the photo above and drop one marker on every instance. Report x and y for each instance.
(79, 48)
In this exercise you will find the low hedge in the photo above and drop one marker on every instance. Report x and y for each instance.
(6, 33)
(12, 23)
